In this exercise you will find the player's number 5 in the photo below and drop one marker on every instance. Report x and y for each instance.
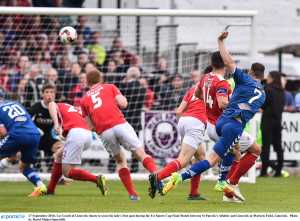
(257, 96)
(97, 101)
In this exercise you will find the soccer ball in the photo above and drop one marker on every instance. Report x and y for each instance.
(67, 35)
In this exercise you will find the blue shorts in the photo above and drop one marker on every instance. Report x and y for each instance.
(27, 144)
(230, 131)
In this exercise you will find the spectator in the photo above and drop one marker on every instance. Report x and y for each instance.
(78, 90)
(93, 60)
(64, 68)
(117, 58)
(162, 67)
(4, 77)
(149, 98)
(89, 67)
(71, 79)
(82, 59)
(22, 69)
(33, 86)
(111, 73)
(136, 61)
(52, 78)
(135, 94)
(83, 29)
(194, 78)
(289, 105)
(79, 46)
(172, 94)
(68, 51)
(117, 45)
(40, 61)
(297, 101)
(95, 46)
(271, 122)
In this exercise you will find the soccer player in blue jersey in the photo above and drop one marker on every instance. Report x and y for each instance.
(19, 134)
(247, 98)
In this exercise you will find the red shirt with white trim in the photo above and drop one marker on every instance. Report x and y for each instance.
(195, 106)
(214, 86)
(100, 105)
(70, 117)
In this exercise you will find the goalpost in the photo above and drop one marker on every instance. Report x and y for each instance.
(151, 40)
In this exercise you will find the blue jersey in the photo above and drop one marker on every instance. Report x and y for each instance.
(247, 98)
(16, 119)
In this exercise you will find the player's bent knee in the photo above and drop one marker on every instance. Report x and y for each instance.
(255, 149)
(66, 169)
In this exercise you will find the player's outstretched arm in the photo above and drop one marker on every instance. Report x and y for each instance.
(227, 59)
(52, 107)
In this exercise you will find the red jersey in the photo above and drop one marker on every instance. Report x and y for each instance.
(70, 117)
(214, 86)
(195, 106)
(100, 105)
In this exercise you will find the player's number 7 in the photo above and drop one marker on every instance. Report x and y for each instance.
(257, 96)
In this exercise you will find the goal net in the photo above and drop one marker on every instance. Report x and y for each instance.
(153, 56)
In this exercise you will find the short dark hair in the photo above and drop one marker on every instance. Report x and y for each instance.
(208, 69)
(258, 70)
(217, 60)
(48, 86)
(94, 77)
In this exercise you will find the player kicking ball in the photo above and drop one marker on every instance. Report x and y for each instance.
(19, 134)
(216, 93)
(101, 107)
(191, 125)
(247, 98)
(71, 126)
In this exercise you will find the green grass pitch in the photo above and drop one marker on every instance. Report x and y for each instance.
(267, 195)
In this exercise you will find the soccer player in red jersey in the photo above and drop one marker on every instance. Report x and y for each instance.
(216, 93)
(69, 123)
(101, 107)
(191, 124)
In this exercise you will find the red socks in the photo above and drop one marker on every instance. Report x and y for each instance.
(125, 177)
(246, 162)
(195, 181)
(234, 166)
(83, 175)
(170, 168)
(56, 174)
(149, 164)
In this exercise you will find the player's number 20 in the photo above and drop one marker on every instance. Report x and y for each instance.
(14, 111)
(97, 101)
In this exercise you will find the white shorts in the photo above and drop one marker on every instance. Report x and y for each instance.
(245, 142)
(192, 131)
(77, 140)
(120, 135)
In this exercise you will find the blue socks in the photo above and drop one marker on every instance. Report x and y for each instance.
(225, 166)
(32, 176)
(195, 169)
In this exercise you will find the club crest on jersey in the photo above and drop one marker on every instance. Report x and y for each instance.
(161, 137)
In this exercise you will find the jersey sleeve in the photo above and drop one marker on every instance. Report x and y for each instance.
(240, 76)
(115, 90)
(187, 96)
(223, 89)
